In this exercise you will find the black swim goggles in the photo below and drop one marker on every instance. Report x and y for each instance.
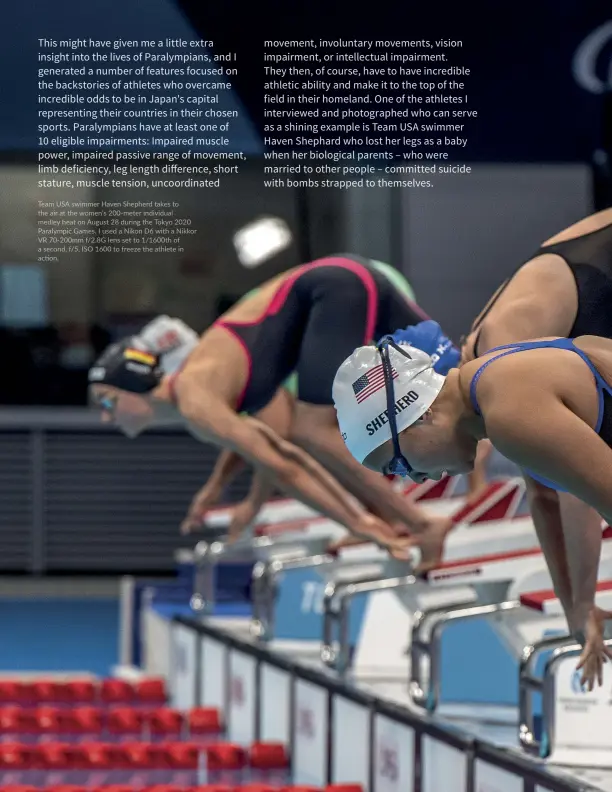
(399, 465)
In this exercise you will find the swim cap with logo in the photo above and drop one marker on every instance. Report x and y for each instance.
(137, 364)
(128, 366)
(360, 397)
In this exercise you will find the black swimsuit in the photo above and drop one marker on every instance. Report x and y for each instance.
(589, 257)
(319, 315)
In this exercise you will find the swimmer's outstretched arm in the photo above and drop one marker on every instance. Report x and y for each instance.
(536, 431)
(295, 472)
(276, 414)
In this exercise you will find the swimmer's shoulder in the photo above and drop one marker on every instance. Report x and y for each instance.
(511, 380)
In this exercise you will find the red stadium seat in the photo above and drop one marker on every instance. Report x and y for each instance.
(11, 691)
(83, 720)
(213, 788)
(125, 721)
(165, 721)
(344, 788)
(151, 691)
(47, 720)
(15, 720)
(257, 788)
(205, 720)
(139, 755)
(301, 788)
(94, 755)
(48, 691)
(225, 756)
(81, 691)
(180, 755)
(117, 691)
(113, 788)
(164, 788)
(18, 788)
(268, 756)
(14, 756)
(53, 756)
(65, 788)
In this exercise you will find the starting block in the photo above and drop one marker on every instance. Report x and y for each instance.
(493, 521)
(298, 538)
(503, 583)
(576, 725)
(285, 535)
(292, 565)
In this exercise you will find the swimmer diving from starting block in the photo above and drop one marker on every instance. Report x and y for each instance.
(545, 404)
(565, 289)
(307, 321)
(278, 413)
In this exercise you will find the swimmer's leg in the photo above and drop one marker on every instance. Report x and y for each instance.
(278, 415)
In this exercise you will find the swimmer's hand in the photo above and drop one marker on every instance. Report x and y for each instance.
(203, 500)
(430, 539)
(595, 652)
(373, 529)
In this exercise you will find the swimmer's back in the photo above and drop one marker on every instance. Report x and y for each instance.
(395, 278)
(557, 370)
(555, 291)
(255, 302)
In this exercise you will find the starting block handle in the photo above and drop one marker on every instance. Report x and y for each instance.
(529, 684)
(335, 649)
(264, 589)
(549, 693)
(426, 636)
(208, 554)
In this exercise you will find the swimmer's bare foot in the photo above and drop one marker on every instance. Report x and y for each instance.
(430, 540)
(202, 501)
(242, 517)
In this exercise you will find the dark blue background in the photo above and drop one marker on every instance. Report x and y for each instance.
(530, 106)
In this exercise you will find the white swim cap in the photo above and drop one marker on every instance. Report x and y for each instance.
(360, 396)
(169, 338)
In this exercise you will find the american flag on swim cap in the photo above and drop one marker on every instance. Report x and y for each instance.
(371, 382)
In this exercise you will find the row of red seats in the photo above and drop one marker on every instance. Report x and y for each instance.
(172, 788)
(175, 755)
(83, 691)
(21, 722)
